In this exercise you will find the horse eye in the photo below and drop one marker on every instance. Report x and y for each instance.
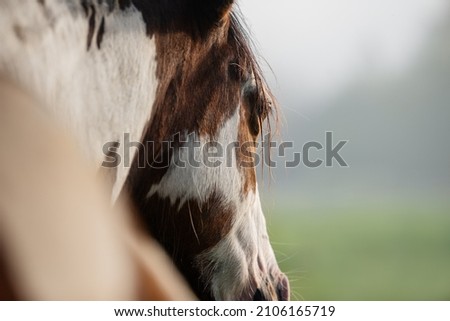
(235, 71)
(255, 109)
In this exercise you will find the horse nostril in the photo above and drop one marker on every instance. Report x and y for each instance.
(259, 296)
(283, 291)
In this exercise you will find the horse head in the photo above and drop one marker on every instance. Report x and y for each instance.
(194, 179)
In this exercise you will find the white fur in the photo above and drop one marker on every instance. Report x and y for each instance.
(97, 95)
(198, 183)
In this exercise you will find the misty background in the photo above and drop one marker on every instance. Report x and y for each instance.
(375, 73)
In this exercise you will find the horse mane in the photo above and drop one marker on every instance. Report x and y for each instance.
(265, 100)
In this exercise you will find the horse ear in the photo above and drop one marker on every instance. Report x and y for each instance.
(220, 8)
(211, 12)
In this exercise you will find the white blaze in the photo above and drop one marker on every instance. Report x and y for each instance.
(199, 182)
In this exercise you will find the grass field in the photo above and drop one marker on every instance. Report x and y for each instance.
(387, 253)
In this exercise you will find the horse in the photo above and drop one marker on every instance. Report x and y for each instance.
(111, 72)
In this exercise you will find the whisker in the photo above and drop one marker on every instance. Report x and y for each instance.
(192, 222)
(301, 115)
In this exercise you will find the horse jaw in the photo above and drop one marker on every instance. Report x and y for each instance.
(243, 265)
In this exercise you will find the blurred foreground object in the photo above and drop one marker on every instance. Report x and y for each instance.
(60, 239)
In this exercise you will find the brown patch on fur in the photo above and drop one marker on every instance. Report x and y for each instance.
(187, 231)
(100, 33)
(124, 4)
(85, 7)
(91, 29)
(195, 92)
(245, 158)
(257, 104)
(194, 17)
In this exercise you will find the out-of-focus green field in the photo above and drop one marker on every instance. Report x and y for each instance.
(387, 253)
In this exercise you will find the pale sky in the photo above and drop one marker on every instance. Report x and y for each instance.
(318, 47)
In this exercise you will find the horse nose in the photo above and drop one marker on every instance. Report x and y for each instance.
(283, 291)
(259, 296)
(281, 288)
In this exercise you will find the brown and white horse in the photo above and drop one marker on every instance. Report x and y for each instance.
(145, 71)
